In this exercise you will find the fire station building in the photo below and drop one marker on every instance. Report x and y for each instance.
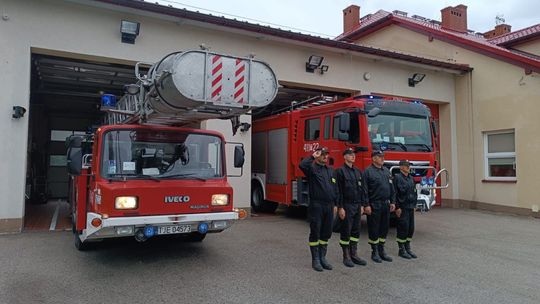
(59, 57)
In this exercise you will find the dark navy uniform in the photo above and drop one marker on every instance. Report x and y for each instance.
(351, 197)
(406, 201)
(322, 199)
(380, 194)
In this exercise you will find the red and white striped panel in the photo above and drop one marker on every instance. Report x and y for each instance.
(240, 81)
(217, 77)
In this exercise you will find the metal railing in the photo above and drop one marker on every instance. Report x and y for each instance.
(437, 175)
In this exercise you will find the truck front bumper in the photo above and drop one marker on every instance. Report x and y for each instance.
(128, 226)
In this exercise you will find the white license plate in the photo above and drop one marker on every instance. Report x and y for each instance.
(174, 229)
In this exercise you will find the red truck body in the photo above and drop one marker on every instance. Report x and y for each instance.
(282, 140)
(179, 201)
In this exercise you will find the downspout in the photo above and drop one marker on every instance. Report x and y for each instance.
(473, 135)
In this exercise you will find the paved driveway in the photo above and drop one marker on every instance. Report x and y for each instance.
(464, 257)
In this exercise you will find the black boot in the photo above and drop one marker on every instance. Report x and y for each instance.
(315, 259)
(354, 257)
(322, 253)
(347, 256)
(383, 254)
(375, 254)
(408, 249)
(402, 252)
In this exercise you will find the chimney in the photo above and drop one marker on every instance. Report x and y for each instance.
(454, 18)
(500, 29)
(351, 18)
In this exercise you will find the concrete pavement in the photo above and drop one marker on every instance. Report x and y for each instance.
(464, 257)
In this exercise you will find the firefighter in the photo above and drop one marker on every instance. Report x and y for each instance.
(405, 204)
(351, 196)
(322, 200)
(380, 202)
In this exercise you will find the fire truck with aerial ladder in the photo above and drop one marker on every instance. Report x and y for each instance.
(402, 129)
(147, 172)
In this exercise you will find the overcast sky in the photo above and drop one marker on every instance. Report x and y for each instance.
(324, 17)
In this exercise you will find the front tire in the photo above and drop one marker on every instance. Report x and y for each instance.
(80, 245)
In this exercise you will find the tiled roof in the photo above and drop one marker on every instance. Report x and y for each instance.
(470, 40)
(523, 34)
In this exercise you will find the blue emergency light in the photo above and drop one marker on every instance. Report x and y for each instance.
(149, 231)
(203, 228)
(423, 182)
(108, 101)
(431, 181)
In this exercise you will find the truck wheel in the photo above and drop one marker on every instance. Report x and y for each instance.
(195, 237)
(80, 245)
(257, 200)
(258, 203)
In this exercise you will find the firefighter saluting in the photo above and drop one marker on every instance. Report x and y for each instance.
(406, 203)
(322, 200)
(351, 196)
(380, 202)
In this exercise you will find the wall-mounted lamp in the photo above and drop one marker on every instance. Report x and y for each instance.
(415, 79)
(129, 31)
(18, 112)
(315, 62)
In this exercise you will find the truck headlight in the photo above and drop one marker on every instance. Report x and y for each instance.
(125, 202)
(220, 200)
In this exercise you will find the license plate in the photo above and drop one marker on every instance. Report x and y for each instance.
(174, 229)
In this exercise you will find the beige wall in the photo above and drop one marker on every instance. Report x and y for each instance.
(90, 30)
(532, 47)
(495, 96)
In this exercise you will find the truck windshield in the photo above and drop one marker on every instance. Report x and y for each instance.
(400, 132)
(151, 154)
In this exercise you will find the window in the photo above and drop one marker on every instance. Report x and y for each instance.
(400, 132)
(312, 129)
(327, 127)
(500, 155)
(336, 128)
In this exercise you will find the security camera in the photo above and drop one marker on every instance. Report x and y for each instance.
(18, 111)
(244, 127)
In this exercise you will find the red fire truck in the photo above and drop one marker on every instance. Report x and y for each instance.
(403, 129)
(141, 174)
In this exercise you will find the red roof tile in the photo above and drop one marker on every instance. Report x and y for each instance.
(516, 36)
(469, 40)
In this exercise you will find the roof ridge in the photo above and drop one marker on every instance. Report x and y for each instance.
(470, 38)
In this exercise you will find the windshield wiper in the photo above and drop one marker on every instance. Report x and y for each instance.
(402, 146)
(124, 175)
(428, 148)
(191, 175)
(148, 176)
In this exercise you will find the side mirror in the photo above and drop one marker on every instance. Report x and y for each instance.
(374, 112)
(74, 155)
(239, 158)
(434, 129)
(344, 126)
(344, 122)
(74, 141)
(74, 161)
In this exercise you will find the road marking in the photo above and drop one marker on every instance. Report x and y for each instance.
(55, 216)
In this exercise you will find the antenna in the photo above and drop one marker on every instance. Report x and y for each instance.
(499, 19)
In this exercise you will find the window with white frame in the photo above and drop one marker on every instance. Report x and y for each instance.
(500, 155)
